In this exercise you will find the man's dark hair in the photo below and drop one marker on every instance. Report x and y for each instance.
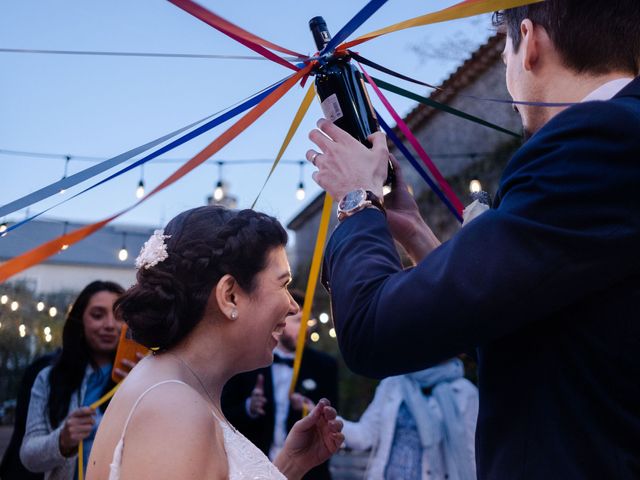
(591, 36)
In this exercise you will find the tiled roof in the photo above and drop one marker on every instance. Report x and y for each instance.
(100, 249)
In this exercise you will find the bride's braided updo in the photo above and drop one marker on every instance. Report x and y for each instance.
(203, 245)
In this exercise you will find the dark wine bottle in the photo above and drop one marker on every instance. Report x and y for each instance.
(343, 96)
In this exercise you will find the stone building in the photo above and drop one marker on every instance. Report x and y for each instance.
(461, 150)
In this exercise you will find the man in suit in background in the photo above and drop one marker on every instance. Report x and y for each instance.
(258, 403)
(546, 285)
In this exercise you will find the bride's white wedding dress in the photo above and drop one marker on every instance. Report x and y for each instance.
(246, 461)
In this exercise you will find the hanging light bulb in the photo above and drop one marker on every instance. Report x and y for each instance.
(4, 299)
(218, 193)
(324, 318)
(22, 329)
(300, 193)
(67, 158)
(53, 311)
(48, 338)
(14, 306)
(140, 189)
(475, 186)
(315, 336)
(40, 306)
(47, 330)
(64, 232)
(332, 333)
(123, 254)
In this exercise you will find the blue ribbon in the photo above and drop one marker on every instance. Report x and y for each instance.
(251, 102)
(414, 163)
(351, 26)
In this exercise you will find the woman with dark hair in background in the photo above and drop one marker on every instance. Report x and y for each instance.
(59, 416)
(211, 299)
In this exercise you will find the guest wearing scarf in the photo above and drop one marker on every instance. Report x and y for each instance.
(419, 426)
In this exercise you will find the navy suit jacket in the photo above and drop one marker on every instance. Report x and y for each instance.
(546, 287)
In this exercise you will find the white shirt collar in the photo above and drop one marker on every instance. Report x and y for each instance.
(608, 90)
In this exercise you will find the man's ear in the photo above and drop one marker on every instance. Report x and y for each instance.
(226, 293)
(530, 44)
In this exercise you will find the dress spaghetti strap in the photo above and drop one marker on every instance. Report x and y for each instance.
(114, 468)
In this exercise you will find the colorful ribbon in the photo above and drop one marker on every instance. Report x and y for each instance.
(351, 26)
(68, 182)
(414, 163)
(245, 105)
(40, 253)
(388, 71)
(97, 404)
(302, 111)
(240, 35)
(441, 106)
(314, 272)
(463, 9)
(446, 188)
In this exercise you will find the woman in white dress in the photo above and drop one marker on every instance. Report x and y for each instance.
(211, 299)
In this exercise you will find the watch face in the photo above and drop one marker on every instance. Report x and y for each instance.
(352, 199)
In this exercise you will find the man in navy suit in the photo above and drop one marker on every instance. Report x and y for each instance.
(546, 285)
(258, 402)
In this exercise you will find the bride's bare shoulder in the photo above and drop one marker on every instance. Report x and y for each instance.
(173, 434)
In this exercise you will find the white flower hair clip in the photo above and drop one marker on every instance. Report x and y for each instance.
(153, 251)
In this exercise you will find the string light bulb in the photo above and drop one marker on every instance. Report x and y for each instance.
(64, 232)
(40, 306)
(47, 330)
(475, 186)
(123, 254)
(4, 299)
(53, 311)
(67, 158)
(3, 227)
(332, 333)
(22, 329)
(218, 193)
(14, 306)
(300, 193)
(140, 188)
(324, 318)
(48, 338)
(315, 336)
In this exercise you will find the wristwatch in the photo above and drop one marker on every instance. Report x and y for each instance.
(357, 200)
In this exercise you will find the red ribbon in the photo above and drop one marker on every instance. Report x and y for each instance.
(249, 40)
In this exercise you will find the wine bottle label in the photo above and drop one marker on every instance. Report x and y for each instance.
(331, 108)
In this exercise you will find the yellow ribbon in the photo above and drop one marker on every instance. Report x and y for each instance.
(98, 403)
(302, 111)
(311, 287)
(464, 9)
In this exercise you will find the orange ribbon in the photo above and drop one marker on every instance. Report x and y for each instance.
(44, 251)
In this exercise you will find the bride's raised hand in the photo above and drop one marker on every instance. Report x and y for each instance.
(311, 441)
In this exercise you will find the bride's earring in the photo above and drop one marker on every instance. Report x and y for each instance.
(234, 314)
